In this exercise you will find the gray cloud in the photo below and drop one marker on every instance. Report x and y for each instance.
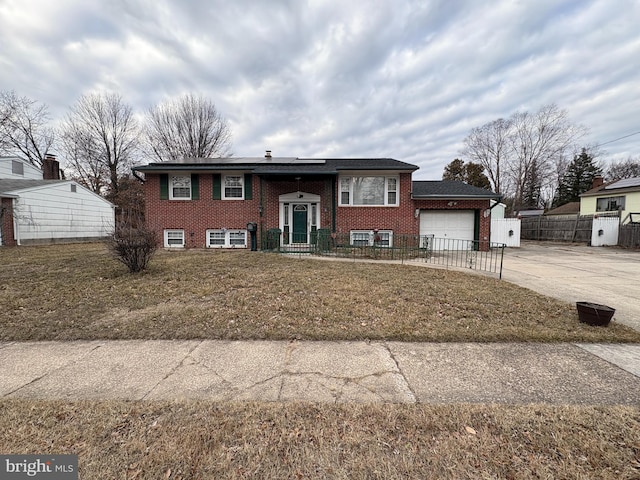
(404, 79)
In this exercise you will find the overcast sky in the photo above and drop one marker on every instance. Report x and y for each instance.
(340, 78)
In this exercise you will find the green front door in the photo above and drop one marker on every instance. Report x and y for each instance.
(300, 217)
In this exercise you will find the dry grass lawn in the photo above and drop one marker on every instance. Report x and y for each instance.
(203, 440)
(69, 292)
(79, 292)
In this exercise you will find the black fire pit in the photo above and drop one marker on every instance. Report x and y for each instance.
(594, 314)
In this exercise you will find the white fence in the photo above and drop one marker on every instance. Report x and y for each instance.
(506, 230)
(605, 231)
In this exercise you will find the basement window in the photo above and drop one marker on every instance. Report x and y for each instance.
(223, 238)
(368, 238)
(174, 238)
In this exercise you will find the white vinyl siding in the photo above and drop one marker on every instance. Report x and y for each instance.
(174, 238)
(14, 167)
(223, 238)
(368, 191)
(54, 212)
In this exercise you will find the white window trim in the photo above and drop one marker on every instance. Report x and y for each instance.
(372, 234)
(171, 178)
(386, 190)
(224, 189)
(608, 200)
(166, 238)
(227, 237)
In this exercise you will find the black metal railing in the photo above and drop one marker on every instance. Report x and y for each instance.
(474, 255)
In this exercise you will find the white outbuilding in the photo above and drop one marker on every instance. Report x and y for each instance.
(34, 210)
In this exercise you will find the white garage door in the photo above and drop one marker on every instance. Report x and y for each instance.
(448, 224)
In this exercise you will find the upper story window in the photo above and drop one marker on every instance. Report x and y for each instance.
(233, 187)
(610, 204)
(17, 167)
(369, 191)
(180, 187)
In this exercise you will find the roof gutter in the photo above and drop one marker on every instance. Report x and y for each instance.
(495, 204)
(135, 174)
(456, 197)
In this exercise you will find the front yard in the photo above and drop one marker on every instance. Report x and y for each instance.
(70, 292)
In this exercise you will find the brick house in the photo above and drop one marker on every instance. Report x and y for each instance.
(209, 202)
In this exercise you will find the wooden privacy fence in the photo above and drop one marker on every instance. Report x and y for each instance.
(561, 229)
(629, 235)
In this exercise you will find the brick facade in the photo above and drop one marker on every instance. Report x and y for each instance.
(195, 217)
(400, 219)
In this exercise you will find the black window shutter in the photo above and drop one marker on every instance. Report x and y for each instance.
(248, 186)
(164, 186)
(217, 186)
(195, 187)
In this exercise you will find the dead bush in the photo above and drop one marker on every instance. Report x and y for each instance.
(134, 245)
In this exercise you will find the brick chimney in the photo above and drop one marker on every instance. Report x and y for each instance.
(598, 181)
(50, 168)
(268, 154)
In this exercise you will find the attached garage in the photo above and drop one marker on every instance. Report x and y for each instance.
(453, 211)
(448, 225)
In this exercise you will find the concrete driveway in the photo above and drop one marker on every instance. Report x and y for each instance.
(577, 273)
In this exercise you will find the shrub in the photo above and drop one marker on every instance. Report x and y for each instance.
(133, 244)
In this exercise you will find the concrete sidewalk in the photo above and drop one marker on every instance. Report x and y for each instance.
(391, 372)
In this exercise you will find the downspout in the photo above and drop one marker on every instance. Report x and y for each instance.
(334, 202)
(16, 229)
(494, 205)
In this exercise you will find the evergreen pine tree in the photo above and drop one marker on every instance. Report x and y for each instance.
(578, 179)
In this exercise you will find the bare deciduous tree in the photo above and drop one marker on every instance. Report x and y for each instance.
(537, 142)
(487, 145)
(24, 129)
(521, 153)
(187, 127)
(100, 138)
(628, 168)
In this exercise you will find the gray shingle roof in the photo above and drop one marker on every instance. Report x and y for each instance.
(11, 184)
(626, 185)
(449, 189)
(280, 166)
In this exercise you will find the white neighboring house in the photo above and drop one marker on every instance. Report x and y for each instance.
(35, 211)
